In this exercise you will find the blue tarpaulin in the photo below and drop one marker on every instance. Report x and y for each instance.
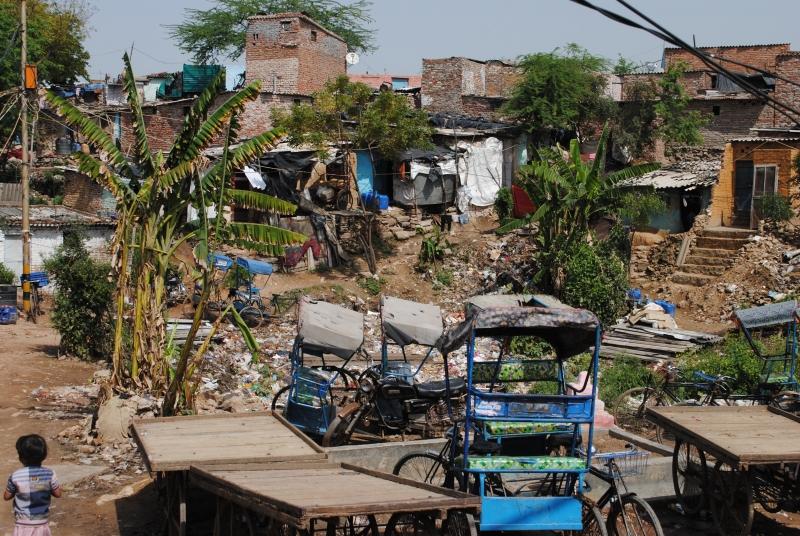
(221, 262)
(364, 174)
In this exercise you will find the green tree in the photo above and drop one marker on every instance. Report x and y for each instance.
(153, 192)
(210, 34)
(569, 194)
(563, 89)
(56, 31)
(678, 125)
(83, 299)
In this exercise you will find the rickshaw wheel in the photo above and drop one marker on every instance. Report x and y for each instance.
(634, 517)
(459, 523)
(629, 411)
(766, 490)
(335, 434)
(731, 500)
(352, 526)
(252, 316)
(593, 522)
(278, 401)
(689, 476)
(412, 523)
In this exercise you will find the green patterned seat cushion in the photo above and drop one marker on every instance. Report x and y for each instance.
(532, 463)
(498, 428)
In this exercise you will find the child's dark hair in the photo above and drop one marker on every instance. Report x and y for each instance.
(32, 449)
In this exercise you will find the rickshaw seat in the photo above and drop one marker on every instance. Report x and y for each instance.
(501, 428)
(437, 389)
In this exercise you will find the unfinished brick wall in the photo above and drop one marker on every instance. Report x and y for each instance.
(466, 87)
(82, 193)
(787, 66)
(291, 54)
(163, 122)
(257, 115)
(761, 56)
(733, 117)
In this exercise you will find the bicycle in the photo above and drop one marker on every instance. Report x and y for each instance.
(628, 514)
(630, 407)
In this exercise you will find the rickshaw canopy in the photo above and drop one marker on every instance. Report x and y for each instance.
(488, 301)
(773, 314)
(326, 328)
(407, 322)
(569, 331)
(255, 267)
(221, 262)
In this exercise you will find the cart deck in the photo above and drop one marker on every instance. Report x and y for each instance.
(739, 435)
(296, 493)
(176, 443)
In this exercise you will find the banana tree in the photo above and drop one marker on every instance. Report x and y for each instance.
(153, 191)
(568, 194)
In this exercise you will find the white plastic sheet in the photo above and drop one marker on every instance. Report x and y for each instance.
(255, 178)
(481, 170)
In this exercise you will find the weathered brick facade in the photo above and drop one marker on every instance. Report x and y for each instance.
(787, 66)
(291, 54)
(82, 193)
(466, 87)
(761, 56)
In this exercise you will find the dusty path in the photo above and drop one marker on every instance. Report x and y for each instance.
(29, 359)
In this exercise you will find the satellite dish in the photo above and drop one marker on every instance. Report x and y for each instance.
(351, 58)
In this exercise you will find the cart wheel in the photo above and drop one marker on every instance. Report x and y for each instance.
(416, 524)
(344, 386)
(352, 526)
(767, 490)
(460, 523)
(689, 476)
(731, 499)
(279, 400)
(787, 401)
(335, 435)
(427, 468)
(634, 518)
(629, 411)
(252, 316)
(593, 522)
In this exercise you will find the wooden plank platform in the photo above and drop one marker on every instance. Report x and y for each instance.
(744, 435)
(295, 493)
(176, 443)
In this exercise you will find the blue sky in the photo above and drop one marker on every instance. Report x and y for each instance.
(408, 30)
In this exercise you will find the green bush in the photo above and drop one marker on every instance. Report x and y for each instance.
(595, 279)
(733, 357)
(624, 373)
(776, 208)
(372, 285)
(6, 275)
(444, 277)
(504, 204)
(83, 299)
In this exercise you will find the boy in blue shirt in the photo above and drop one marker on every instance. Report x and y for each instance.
(31, 488)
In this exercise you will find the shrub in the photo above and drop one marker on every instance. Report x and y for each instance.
(6, 275)
(776, 208)
(444, 277)
(83, 299)
(733, 357)
(432, 249)
(595, 279)
(624, 373)
(504, 204)
(372, 285)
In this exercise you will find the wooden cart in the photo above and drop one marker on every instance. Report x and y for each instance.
(328, 498)
(731, 456)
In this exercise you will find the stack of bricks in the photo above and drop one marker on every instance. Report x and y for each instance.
(403, 225)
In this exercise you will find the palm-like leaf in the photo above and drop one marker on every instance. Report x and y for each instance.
(142, 154)
(101, 174)
(194, 119)
(259, 233)
(90, 130)
(242, 155)
(249, 199)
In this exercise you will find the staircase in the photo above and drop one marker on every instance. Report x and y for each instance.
(711, 254)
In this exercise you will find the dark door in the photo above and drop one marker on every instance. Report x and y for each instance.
(743, 193)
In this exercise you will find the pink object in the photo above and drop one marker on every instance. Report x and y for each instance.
(602, 418)
(32, 530)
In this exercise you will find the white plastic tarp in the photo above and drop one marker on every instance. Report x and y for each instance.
(407, 322)
(330, 329)
(481, 170)
(255, 178)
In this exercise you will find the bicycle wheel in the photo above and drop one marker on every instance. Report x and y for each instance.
(634, 517)
(593, 523)
(459, 523)
(731, 500)
(689, 476)
(34, 311)
(424, 467)
(630, 408)
(278, 403)
(343, 386)
(252, 316)
(415, 524)
(352, 526)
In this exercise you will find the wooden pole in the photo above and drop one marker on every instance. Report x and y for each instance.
(26, 163)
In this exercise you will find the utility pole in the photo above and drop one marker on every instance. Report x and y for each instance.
(26, 166)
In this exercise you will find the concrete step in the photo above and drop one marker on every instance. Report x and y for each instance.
(731, 244)
(697, 258)
(703, 269)
(710, 252)
(727, 232)
(695, 280)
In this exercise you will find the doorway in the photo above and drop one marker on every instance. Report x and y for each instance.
(743, 194)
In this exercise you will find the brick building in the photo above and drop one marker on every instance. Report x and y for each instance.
(732, 112)
(463, 86)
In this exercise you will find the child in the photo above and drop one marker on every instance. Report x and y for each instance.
(31, 488)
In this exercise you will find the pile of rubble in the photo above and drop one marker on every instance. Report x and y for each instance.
(404, 225)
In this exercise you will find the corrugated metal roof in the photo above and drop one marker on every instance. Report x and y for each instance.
(762, 139)
(50, 216)
(664, 179)
(10, 194)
